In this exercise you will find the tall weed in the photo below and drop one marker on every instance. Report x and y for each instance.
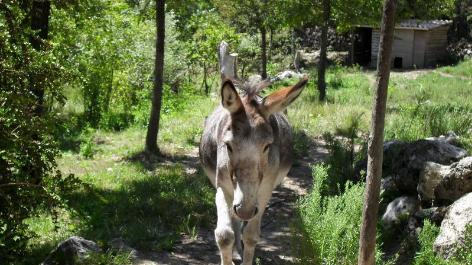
(327, 228)
(343, 156)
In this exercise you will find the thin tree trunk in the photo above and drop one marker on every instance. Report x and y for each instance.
(324, 47)
(153, 127)
(292, 32)
(39, 21)
(205, 76)
(109, 92)
(352, 47)
(375, 149)
(264, 52)
(271, 43)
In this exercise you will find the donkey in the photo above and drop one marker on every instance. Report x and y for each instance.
(246, 151)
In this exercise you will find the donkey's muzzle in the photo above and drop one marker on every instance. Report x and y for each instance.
(244, 213)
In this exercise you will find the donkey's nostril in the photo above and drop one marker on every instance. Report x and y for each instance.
(256, 211)
(236, 208)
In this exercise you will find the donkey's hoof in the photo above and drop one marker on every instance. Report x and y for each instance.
(237, 259)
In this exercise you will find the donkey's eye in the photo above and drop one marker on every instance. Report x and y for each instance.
(266, 148)
(229, 148)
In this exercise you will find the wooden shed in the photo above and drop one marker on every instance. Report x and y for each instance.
(416, 44)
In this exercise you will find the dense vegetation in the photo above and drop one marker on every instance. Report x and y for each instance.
(75, 97)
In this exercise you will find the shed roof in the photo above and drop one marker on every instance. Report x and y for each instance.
(419, 24)
(422, 25)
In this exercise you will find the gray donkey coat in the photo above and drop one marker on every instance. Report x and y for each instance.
(246, 151)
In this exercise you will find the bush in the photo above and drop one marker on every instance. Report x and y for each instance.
(29, 181)
(343, 156)
(327, 228)
(426, 237)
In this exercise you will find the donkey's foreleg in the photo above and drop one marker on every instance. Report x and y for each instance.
(237, 248)
(252, 231)
(224, 233)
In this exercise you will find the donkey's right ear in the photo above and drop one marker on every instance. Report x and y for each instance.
(229, 97)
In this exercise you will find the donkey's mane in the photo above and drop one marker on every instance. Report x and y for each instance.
(252, 89)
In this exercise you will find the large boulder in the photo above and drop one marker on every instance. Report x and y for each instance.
(430, 177)
(411, 159)
(390, 150)
(456, 183)
(453, 227)
(399, 211)
(71, 251)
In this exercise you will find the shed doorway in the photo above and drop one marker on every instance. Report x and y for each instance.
(398, 62)
(363, 46)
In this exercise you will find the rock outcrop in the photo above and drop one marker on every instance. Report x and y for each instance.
(445, 184)
(411, 160)
(453, 227)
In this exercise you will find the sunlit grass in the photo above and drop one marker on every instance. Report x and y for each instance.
(463, 69)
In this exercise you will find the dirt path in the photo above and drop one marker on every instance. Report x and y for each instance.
(274, 247)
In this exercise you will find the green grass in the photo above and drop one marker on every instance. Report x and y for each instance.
(463, 69)
(430, 105)
(128, 193)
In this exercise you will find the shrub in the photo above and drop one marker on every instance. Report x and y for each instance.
(327, 228)
(29, 181)
(343, 156)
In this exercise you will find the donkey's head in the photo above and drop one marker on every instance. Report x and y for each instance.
(247, 140)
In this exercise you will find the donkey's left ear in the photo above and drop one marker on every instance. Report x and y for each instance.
(229, 97)
(279, 100)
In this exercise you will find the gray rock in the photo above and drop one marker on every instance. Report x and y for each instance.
(456, 183)
(286, 75)
(451, 138)
(411, 159)
(72, 251)
(120, 244)
(430, 177)
(453, 227)
(399, 211)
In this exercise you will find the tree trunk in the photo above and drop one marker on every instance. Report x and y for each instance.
(271, 43)
(264, 52)
(228, 63)
(352, 47)
(109, 92)
(39, 22)
(292, 40)
(375, 149)
(205, 76)
(324, 47)
(153, 127)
